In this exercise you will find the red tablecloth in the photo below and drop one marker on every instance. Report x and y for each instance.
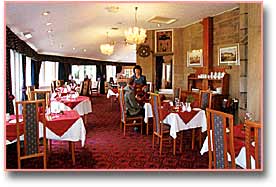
(185, 116)
(115, 90)
(60, 123)
(73, 102)
(11, 128)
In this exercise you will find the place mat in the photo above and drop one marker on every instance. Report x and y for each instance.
(72, 103)
(11, 128)
(60, 123)
(185, 116)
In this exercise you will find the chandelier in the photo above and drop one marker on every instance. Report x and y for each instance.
(107, 49)
(135, 35)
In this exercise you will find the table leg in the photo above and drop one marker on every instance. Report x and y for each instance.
(174, 145)
(193, 139)
(73, 152)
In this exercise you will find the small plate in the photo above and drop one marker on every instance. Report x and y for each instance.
(196, 109)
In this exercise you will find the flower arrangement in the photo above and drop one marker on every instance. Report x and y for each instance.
(190, 99)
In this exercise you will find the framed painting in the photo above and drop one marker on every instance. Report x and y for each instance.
(195, 58)
(164, 41)
(229, 55)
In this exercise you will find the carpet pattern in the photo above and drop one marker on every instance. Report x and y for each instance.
(107, 148)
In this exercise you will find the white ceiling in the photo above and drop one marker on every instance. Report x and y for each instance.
(83, 25)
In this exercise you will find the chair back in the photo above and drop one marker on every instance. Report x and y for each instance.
(86, 88)
(156, 104)
(28, 91)
(177, 93)
(205, 99)
(149, 87)
(217, 122)
(31, 116)
(122, 105)
(41, 94)
(253, 128)
(59, 83)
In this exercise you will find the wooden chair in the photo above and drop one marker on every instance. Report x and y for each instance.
(127, 120)
(205, 101)
(28, 91)
(31, 118)
(222, 143)
(159, 128)
(254, 127)
(41, 94)
(56, 84)
(85, 89)
(177, 93)
(96, 90)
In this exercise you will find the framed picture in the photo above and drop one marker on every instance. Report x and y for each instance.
(164, 41)
(195, 58)
(229, 55)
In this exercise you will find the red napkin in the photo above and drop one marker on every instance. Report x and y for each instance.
(11, 128)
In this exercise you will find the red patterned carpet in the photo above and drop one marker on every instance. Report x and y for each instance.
(107, 148)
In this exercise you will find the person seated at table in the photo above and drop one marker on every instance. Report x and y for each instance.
(140, 82)
(132, 106)
(71, 82)
(110, 83)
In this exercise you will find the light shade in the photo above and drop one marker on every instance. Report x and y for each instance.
(135, 35)
(107, 49)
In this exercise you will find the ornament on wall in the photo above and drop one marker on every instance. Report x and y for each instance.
(143, 50)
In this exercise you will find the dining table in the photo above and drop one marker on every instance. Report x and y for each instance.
(239, 147)
(65, 126)
(179, 120)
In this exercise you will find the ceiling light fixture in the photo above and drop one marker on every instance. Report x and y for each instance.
(74, 48)
(49, 31)
(135, 35)
(107, 49)
(84, 50)
(27, 35)
(48, 23)
(46, 13)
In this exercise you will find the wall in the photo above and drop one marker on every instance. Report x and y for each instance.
(225, 32)
(255, 63)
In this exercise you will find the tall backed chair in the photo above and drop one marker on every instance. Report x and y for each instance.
(31, 117)
(56, 84)
(29, 90)
(205, 101)
(254, 127)
(41, 94)
(96, 89)
(177, 93)
(85, 89)
(160, 130)
(221, 142)
(127, 120)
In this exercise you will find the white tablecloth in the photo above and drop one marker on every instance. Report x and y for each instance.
(75, 133)
(111, 93)
(240, 159)
(176, 122)
(82, 108)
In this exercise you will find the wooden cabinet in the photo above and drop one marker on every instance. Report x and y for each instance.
(204, 84)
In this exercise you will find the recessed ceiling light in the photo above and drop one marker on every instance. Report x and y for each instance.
(113, 9)
(84, 50)
(46, 13)
(74, 48)
(27, 35)
(161, 20)
(158, 25)
(115, 28)
(48, 23)
(49, 31)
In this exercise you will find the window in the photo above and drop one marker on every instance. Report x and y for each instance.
(16, 75)
(28, 71)
(128, 73)
(79, 72)
(110, 72)
(48, 73)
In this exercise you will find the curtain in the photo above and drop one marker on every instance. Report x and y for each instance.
(35, 72)
(24, 96)
(9, 96)
(159, 70)
(64, 70)
(118, 69)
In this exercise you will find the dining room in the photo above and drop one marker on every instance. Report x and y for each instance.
(134, 86)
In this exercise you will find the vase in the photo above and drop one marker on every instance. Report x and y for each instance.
(188, 107)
